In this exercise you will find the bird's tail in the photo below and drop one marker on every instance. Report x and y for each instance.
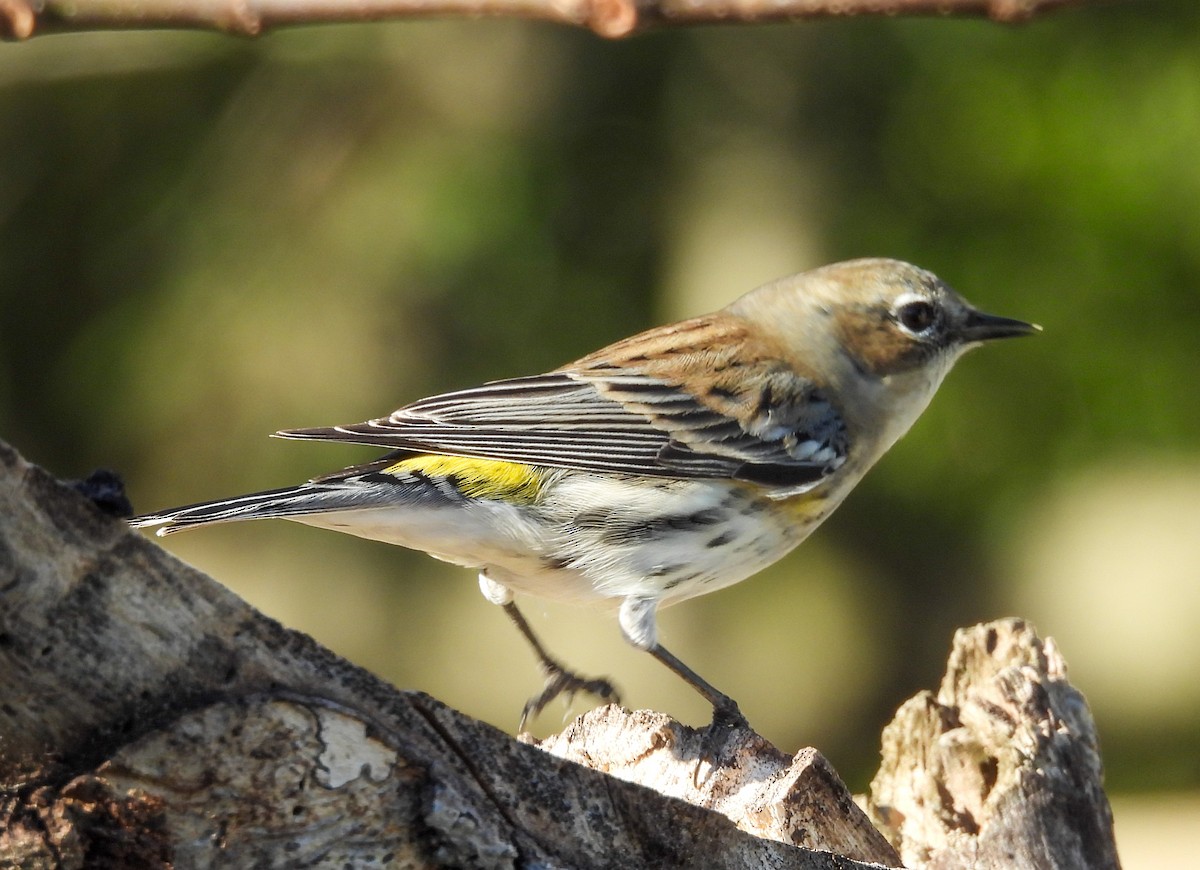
(290, 501)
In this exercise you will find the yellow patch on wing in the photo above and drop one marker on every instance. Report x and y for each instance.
(478, 478)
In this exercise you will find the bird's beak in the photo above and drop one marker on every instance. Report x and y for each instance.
(986, 327)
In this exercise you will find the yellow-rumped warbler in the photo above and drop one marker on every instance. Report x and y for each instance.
(664, 466)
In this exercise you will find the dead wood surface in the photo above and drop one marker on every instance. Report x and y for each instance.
(793, 799)
(150, 718)
(1001, 767)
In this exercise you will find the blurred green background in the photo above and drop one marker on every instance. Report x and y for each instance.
(204, 239)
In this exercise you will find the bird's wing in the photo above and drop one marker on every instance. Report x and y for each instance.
(667, 403)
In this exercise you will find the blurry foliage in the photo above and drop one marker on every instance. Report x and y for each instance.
(203, 240)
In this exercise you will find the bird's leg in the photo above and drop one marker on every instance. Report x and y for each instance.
(558, 679)
(638, 624)
(726, 713)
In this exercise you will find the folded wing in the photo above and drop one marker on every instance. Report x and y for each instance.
(674, 413)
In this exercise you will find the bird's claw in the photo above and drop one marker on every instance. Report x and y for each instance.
(560, 681)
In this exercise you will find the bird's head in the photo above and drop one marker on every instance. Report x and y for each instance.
(891, 317)
(882, 333)
(888, 317)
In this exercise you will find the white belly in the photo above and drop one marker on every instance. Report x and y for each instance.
(596, 539)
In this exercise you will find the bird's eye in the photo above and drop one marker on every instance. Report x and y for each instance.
(917, 316)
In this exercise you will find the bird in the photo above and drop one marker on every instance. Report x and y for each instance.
(664, 466)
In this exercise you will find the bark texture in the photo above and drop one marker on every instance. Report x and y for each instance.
(1001, 767)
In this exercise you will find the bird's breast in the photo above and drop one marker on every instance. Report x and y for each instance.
(610, 537)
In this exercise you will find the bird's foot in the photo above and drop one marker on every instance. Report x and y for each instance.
(728, 717)
(727, 721)
(560, 681)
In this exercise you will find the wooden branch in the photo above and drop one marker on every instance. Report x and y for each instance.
(21, 19)
(150, 718)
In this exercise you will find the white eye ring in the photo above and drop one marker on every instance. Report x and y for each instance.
(917, 315)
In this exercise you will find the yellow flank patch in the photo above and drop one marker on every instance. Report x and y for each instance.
(478, 478)
(806, 506)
